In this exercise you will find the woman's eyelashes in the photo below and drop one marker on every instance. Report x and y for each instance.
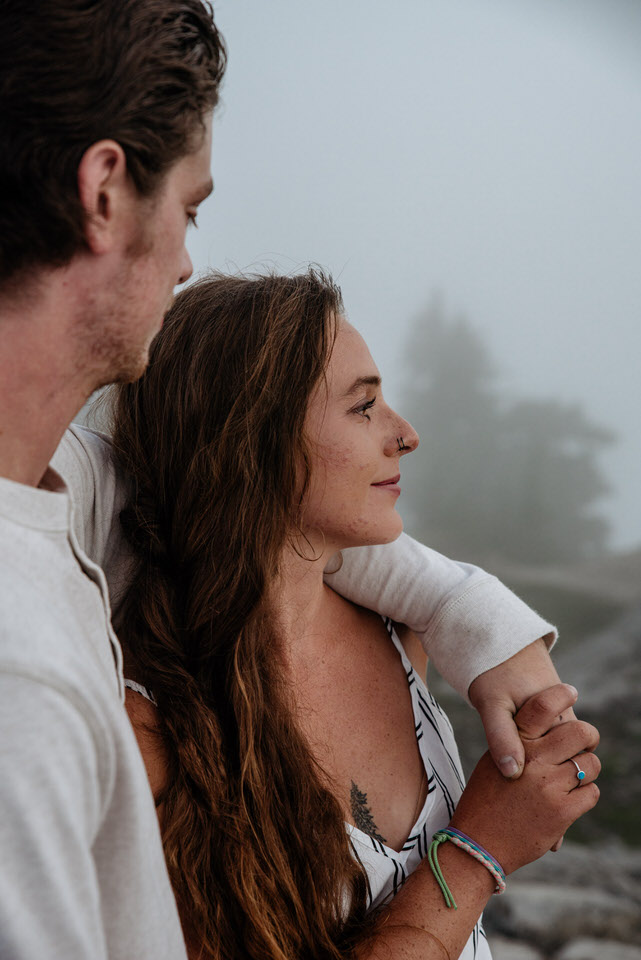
(364, 407)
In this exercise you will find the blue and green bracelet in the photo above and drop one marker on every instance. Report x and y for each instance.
(475, 850)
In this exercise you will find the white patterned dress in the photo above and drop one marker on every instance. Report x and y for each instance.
(387, 869)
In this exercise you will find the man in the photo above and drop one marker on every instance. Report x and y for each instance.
(105, 114)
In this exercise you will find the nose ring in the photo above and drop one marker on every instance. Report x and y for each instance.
(401, 444)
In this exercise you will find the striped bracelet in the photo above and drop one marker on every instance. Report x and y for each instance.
(464, 842)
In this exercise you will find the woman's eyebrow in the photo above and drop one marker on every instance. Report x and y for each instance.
(370, 381)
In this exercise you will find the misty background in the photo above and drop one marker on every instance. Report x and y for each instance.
(484, 152)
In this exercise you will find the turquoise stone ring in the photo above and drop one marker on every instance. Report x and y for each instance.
(580, 774)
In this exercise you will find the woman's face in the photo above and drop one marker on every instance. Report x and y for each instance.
(354, 439)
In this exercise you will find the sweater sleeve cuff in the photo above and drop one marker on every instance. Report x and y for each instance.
(483, 626)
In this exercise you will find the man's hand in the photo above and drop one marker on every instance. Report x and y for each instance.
(499, 693)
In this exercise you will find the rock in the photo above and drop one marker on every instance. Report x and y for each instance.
(504, 949)
(587, 949)
(551, 914)
(606, 668)
(611, 866)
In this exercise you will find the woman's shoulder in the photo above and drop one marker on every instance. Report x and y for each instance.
(369, 620)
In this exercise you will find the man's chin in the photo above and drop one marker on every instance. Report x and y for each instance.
(134, 370)
(127, 369)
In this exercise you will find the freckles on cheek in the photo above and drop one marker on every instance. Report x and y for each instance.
(341, 470)
(333, 453)
(325, 470)
(342, 457)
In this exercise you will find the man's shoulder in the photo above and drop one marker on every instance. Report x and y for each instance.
(86, 462)
(82, 455)
(42, 635)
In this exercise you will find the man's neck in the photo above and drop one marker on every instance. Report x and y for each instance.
(41, 388)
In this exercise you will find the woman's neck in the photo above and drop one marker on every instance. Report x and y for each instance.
(299, 597)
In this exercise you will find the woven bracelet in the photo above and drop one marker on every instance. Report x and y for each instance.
(465, 843)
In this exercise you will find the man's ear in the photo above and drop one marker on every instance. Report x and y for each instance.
(105, 192)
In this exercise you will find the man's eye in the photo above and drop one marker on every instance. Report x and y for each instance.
(364, 408)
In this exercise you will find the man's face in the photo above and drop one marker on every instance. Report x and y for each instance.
(153, 261)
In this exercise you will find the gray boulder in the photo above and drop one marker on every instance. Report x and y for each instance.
(550, 914)
(587, 949)
(610, 866)
(504, 949)
(605, 667)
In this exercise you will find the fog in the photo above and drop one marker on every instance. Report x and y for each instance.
(488, 151)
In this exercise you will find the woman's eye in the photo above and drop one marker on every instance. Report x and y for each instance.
(365, 407)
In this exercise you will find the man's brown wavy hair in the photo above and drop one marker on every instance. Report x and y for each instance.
(212, 439)
(72, 72)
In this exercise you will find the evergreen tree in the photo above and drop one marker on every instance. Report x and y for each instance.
(517, 480)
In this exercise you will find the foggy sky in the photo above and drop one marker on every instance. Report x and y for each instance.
(489, 150)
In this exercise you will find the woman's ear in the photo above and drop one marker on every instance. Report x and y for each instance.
(106, 193)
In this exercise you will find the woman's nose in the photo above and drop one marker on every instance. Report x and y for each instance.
(405, 439)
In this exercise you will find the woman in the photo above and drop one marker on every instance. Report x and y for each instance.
(299, 766)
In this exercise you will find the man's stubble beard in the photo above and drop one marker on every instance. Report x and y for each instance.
(108, 351)
(112, 349)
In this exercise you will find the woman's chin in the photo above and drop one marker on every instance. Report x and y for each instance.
(380, 534)
(393, 535)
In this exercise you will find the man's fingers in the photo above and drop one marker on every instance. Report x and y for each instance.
(545, 709)
(503, 739)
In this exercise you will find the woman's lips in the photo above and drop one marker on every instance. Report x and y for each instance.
(391, 484)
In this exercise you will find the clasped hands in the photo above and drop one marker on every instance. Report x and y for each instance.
(519, 701)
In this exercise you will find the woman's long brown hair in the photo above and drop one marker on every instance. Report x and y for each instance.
(212, 439)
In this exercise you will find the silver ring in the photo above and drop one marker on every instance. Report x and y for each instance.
(580, 774)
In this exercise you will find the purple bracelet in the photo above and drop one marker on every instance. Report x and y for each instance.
(464, 836)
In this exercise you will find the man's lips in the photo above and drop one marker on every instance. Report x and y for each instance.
(388, 483)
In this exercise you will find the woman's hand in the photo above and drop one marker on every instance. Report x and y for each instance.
(516, 820)
(519, 820)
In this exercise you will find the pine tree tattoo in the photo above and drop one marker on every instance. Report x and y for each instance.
(363, 819)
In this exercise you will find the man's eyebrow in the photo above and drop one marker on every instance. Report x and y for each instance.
(370, 381)
(202, 192)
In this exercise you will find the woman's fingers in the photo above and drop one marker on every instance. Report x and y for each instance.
(545, 710)
(587, 764)
(581, 801)
(590, 766)
(563, 742)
